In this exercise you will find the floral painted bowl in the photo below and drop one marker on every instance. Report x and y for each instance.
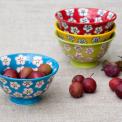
(82, 21)
(84, 55)
(26, 91)
(84, 39)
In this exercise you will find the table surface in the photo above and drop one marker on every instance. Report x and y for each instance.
(27, 26)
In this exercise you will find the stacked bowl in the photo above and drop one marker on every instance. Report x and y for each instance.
(85, 34)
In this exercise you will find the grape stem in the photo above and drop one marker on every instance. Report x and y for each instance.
(91, 75)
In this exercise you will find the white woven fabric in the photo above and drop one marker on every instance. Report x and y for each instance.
(27, 26)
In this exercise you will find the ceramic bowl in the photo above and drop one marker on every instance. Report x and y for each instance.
(26, 91)
(82, 21)
(83, 39)
(84, 55)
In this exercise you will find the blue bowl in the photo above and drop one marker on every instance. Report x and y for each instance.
(26, 91)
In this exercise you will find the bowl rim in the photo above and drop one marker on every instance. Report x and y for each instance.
(91, 23)
(32, 79)
(94, 44)
(84, 36)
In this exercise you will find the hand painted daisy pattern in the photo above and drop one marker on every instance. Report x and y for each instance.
(39, 84)
(28, 91)
(89, 50)
(83, 11)
(82, 41)
(110, 15)
(74, 30)
(84, 20)
(3, 81)
(64, 25)
(71, 19)
(101, 12)
(14, 85)
(38, 93)
(59, 14)
(78, 48)
(109, 24)
(87, 28)
(69, 12)
(67, 47)
(98, 19)
(21, 59)
(6, 89)
(95, 39)
(37, 60)
(17, 94)
(98, 30)
(5, 60)
(104, 46)
(71, 38)
(78, 55)
(27, 83)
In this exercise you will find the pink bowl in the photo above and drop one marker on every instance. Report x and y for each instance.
(82, 21)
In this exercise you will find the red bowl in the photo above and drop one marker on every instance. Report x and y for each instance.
(82, 21)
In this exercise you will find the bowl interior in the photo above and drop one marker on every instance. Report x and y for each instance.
(20, 60)
(85, 15)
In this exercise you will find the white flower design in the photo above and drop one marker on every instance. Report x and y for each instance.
(83, 11)
(38, 93)
(5, 60)
(74, 30)
(98, 19)
(82, 41)
(37, 60)
(27, 83)
(89, 50)
(6, 89)
(59, 14)
(101, 12)
(71, 19)
(98, 30)
(28, 91)
(17, 94)
(67, 47)
(84, 20)
(110, 15)
(69, 12)
(64, 25)
(20, 59)
(95, 39)
(19, 68)
(3, 80)
(14, 85)
(78, 48)
(71, 38)
(87, 28)
(78, 55)
(39, 84)
(109, 24)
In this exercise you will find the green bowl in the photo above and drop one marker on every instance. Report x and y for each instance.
(85, 55)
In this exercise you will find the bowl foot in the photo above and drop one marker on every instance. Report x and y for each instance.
(84, 65)
(22, 101)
